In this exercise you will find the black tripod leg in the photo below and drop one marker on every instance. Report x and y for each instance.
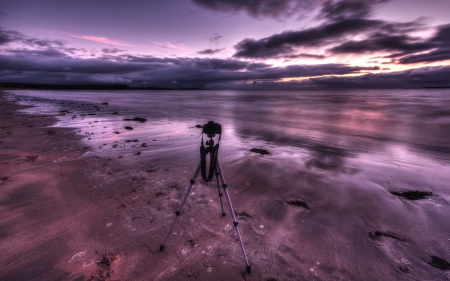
(218, 188)
(178, 212)
(235, 223)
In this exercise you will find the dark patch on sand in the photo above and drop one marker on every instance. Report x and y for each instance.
(191, 242)
(105, 103)
(438, 262)
(115, 113)
(4, 179)
(132, 141)
(31, 158)
(128, 128)
(260, 151)
(413, 194)
(298, 203)
(104, 269)
(242, 215)
(144, 144)
(376, 235)
(405, 269)
(137, 119)
(137, 153)
(51, 133)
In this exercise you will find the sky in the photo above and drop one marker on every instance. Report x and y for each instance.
(227, 44)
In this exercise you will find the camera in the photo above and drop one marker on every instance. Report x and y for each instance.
(211, 129)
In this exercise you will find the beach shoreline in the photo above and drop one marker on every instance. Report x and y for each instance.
(80, 203)
(68, 215)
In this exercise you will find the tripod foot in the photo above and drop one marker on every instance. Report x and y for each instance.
(249, 268)
(223, 214)
(161, 248)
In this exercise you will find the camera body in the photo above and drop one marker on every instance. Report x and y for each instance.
(211, 129)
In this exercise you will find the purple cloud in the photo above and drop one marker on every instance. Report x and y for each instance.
(257, 8)
(286, 42)
(339, 10)
(210, 51)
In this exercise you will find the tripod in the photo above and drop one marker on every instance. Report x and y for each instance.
(215, 166)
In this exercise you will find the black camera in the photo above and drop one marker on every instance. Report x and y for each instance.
(211, 129)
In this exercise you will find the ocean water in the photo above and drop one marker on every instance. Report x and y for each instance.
(343, 153)
(328, 128)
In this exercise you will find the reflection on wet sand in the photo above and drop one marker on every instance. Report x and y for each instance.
(355, 185)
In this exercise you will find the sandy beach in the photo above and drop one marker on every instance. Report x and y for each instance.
(68, 214)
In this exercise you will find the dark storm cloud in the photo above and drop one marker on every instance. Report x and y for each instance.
(8, 36)
(343, 20)
(440, 54)
(338, 10)
(440, 48)
(285, 43)
(37, 53)
(54, 66)
(210, 51)
(257, 8)
(383, 42)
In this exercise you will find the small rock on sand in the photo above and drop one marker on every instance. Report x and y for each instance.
(260, 151)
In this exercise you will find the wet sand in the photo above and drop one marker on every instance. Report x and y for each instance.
(71, 215)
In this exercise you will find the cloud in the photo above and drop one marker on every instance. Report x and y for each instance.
(52, 66)
(307, 56)
(344, 21)
(440, 54)
(286, 42)
(383, 42)
(439, 48)
(7, 36)
(210, 51)
(257, 8)
(10, 36)
(54, 53)
(405, 49)
(100, 40)
(111, 50)
(215, 39)
(413, 78)
(168, 45)
(61, 65)
(339, 10)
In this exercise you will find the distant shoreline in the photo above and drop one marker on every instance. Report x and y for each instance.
(23, 86)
